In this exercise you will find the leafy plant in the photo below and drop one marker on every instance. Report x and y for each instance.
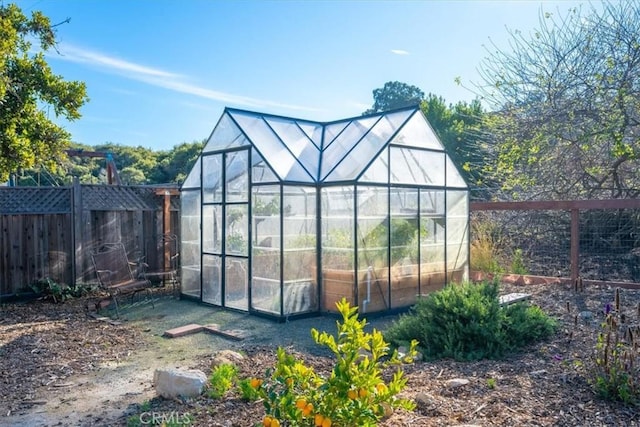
(57, 292)
(517, 263)
(354, 394)
(486, 253)
(491, 383)
(466, 322)
(222, 379)
(615, 371)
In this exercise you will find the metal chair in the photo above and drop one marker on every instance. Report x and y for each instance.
(169, 271)
(113, 270)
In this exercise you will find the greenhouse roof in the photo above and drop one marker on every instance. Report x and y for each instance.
(299, 150)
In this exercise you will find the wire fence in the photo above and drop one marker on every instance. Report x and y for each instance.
(538, 242)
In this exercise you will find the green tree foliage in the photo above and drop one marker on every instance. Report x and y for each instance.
(567, 105)
(395, 95)
(135, 165)
(27, 85)
(460, 128)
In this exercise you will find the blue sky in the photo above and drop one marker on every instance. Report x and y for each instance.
(160, 72)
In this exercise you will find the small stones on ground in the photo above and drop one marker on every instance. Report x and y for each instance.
(538, 373)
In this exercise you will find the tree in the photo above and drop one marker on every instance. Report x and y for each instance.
(395, 95)
(460, 129)
(566, 103)
(27, 85)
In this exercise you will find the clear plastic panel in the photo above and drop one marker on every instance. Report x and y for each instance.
(193, 179)
(212, 229)
(378, 171)
(237, 230)
(457, 235)
(338, 249)
(432, 240)
(236, 283)
(298, 143)
(261, 171)
(343, 143)
(404, 244)
(454, 179)
(212, 178)
(432, 202)
(417, 133)
(332, 130)
(190, 242)
(313, 131)
(373, 248)
(225, 135)
(368, 147)
(265, 140)
(300, 258)
(411, 166)
(265, 261)
(212, 279)
(237, 176)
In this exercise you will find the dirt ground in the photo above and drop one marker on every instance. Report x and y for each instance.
(61, 367)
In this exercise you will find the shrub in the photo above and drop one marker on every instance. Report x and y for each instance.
(354, 394)
(486, 247)
(466, 322)
(615, 371)
(222, 378)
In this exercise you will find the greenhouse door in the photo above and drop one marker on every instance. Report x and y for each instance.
(236, 230)
(225, 229)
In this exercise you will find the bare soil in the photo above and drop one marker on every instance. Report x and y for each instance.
(59, 366)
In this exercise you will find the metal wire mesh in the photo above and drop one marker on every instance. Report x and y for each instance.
(538, 242)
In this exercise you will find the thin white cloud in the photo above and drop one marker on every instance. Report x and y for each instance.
(399, 52)
(161, 78)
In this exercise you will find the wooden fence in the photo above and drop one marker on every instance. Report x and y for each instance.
(49, 232)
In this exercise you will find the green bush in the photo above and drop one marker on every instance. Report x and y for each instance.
(354, 394)
(222, 378)
(466, 322)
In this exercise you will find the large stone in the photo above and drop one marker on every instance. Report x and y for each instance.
(172, 383)
(228, 357)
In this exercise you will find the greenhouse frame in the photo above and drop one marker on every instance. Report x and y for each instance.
(284, 217)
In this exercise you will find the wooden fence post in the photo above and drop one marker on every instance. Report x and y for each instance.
(575, 244)
(76, 219)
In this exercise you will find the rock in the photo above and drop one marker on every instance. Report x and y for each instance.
(425, 400)
(538, 373)
(226, 357)
(457, 382)
(173, 383)
(586, 315)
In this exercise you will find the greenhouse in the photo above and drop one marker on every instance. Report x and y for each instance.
(283, 217)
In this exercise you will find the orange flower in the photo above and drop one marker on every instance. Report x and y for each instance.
(266, 421)
(363, 393)
(275, 423)
(381, 387)
(318, 419)
(255, 382)
(301, 403)
(352, 394)
(326, 422)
